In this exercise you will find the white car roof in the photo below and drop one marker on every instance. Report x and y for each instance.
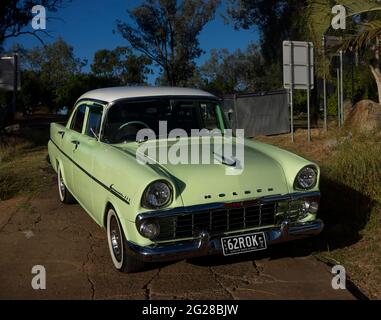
(115, 93)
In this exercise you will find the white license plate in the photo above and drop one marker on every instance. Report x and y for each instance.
(243, 243)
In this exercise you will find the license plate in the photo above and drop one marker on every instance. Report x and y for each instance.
(243, 243)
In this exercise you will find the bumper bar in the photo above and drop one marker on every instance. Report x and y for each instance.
(204, 245)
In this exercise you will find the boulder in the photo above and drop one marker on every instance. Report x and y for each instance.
(365, 117)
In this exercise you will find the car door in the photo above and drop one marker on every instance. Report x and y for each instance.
(68, 144)
(85, 152)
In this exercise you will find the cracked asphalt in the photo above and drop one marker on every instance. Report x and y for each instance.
(73, 249)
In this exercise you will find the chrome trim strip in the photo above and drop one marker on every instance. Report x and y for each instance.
(218, 205)
(204, 245)
(108, 188)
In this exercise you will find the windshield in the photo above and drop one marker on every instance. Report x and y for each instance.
(125, 119)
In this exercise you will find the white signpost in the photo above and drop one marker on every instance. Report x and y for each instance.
(298, 74)
(10, 76)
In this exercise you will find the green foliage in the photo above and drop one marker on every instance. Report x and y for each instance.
(79, 84)
(320, 16)
(240, 71)
(47, 71)
(167, 32)
(56, 62)
(121, 63)
(276, 20)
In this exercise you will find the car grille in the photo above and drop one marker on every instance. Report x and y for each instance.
(216, 221)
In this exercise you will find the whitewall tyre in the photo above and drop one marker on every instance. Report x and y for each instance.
(63, 192)
(122, 260)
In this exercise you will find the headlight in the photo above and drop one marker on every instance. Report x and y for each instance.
(149, 229)
(157, 195)
(306, 178)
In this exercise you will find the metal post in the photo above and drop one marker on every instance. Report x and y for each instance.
(235, 113)
(341, 88)
(353, 77)
(15, 83)
(338, 98)
(324, 88)
(308, 92)
(291, 92)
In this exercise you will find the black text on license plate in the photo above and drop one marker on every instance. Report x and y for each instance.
(243, 243)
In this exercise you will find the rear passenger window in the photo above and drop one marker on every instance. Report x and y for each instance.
(78, 118)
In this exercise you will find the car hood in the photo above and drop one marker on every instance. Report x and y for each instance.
(259, 175)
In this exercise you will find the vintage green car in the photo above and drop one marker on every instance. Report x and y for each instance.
(159, 210)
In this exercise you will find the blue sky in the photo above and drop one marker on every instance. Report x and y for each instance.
(87, 26)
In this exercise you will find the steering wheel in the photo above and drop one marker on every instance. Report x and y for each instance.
(133, 122)
(120, 136)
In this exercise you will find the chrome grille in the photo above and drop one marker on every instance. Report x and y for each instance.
(217, 221)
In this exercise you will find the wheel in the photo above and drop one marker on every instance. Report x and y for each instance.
(64, 193)
(123, 261)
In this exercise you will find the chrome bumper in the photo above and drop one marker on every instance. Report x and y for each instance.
(204, 245)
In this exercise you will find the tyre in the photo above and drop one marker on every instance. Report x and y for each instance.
(64, 193)
(123, 261)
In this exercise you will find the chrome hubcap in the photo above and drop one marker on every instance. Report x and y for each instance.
(61, 185)
(115, 237)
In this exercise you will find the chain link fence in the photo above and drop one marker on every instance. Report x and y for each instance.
(258, 114)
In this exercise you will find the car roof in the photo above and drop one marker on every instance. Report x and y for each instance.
(116, 93)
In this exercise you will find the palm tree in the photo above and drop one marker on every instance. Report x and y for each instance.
(365, 35)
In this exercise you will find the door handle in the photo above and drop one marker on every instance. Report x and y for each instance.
(75, 142)
(61, 133)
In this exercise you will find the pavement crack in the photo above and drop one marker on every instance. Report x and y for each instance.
(215, 275)
(6, 223)
(146, 287)
(86, 269)
(257, 268)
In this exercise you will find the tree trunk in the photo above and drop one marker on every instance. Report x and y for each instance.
(377, 76)
(375, 68)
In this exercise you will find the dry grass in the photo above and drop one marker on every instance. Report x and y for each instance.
(351, 200)
(24, 168)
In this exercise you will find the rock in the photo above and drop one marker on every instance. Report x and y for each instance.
(365, 117)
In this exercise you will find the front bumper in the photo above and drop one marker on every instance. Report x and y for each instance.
(204, 245)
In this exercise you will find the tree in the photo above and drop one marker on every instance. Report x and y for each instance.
(122, 64)
(78, 84)
(56, 62)
(239, 71)
(276, 20)
(167, 32)
(48, 68)
(16, 14)
(364, 36)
